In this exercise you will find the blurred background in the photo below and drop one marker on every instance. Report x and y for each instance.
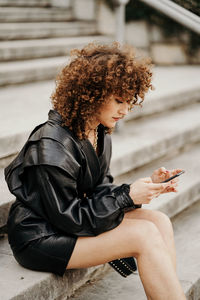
(36, 37)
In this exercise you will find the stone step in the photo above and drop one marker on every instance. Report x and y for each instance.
(41, 3)
(34, 14)
(31, 70)
(29, 49)
(17, 31)
(185, 90)
(150, 138)
(114, 287)
(31, 285)
(27, 105)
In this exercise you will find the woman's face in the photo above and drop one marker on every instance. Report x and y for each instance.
(112, 111)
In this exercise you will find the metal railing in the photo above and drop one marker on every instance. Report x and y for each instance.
(177, 13)
(167, 7)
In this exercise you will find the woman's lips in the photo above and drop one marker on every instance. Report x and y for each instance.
(116, 119)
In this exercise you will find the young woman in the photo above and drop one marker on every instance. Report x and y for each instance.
(68, 213)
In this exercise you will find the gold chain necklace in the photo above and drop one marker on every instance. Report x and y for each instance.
(95, 138)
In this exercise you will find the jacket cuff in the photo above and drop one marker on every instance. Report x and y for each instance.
(123, 198)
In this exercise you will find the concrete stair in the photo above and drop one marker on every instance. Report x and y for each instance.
(35, 14)
(16, 31)
(165, 132)
(153, 138)
(52, 47)
(30, 3)
(38, 69)
(31, 285)
(31, 70)
(41, 30)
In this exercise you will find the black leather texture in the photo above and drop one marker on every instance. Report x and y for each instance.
(62, 186)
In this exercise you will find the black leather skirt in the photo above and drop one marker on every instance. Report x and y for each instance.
(47, 254)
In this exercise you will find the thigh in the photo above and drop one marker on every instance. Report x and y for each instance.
(123, 241)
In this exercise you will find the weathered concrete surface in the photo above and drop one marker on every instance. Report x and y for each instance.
(187, 229)
(31, 285)
(34, 14)
(37, 48)
(84, 9)
(31, 70)
(14, 31)
(148, 139)
(6, 200)
(41, 3)
(184, 91)
(168, 54)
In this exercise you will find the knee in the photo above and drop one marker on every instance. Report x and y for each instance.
(162, 221)
(148, 238)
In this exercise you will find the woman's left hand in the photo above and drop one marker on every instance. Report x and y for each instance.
(162, 174)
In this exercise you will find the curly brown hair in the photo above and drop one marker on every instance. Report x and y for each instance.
(95, 73)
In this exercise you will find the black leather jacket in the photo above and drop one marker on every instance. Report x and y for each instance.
(61, 185)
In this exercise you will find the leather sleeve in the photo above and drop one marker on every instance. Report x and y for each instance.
(108, 178)
(82, 216)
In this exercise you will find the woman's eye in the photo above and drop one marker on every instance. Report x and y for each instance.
(118, 101)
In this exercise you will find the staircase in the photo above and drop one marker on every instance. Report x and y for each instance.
(165, 132)
(35, 40)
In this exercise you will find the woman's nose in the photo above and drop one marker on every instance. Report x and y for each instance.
(124, 109)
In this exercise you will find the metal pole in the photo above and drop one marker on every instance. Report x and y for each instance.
(120, 32)
(120, 23)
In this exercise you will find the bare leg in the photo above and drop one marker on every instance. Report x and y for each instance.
(163, 224)
(138, 238)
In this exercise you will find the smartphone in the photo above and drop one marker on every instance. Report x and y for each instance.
(172, 177)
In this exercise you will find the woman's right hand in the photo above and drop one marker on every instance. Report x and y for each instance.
(144, 190)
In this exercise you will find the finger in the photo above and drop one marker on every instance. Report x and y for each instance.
(147, 179)
(158, 186)
(176, 171)
(162, 170)
(170, 189)
(157, 195)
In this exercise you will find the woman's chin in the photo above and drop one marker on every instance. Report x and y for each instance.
(110, 125)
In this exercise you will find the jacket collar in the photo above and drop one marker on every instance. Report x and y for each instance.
(55, 116)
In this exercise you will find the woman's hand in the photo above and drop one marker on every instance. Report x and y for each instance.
(144, 190)
(162, 174)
